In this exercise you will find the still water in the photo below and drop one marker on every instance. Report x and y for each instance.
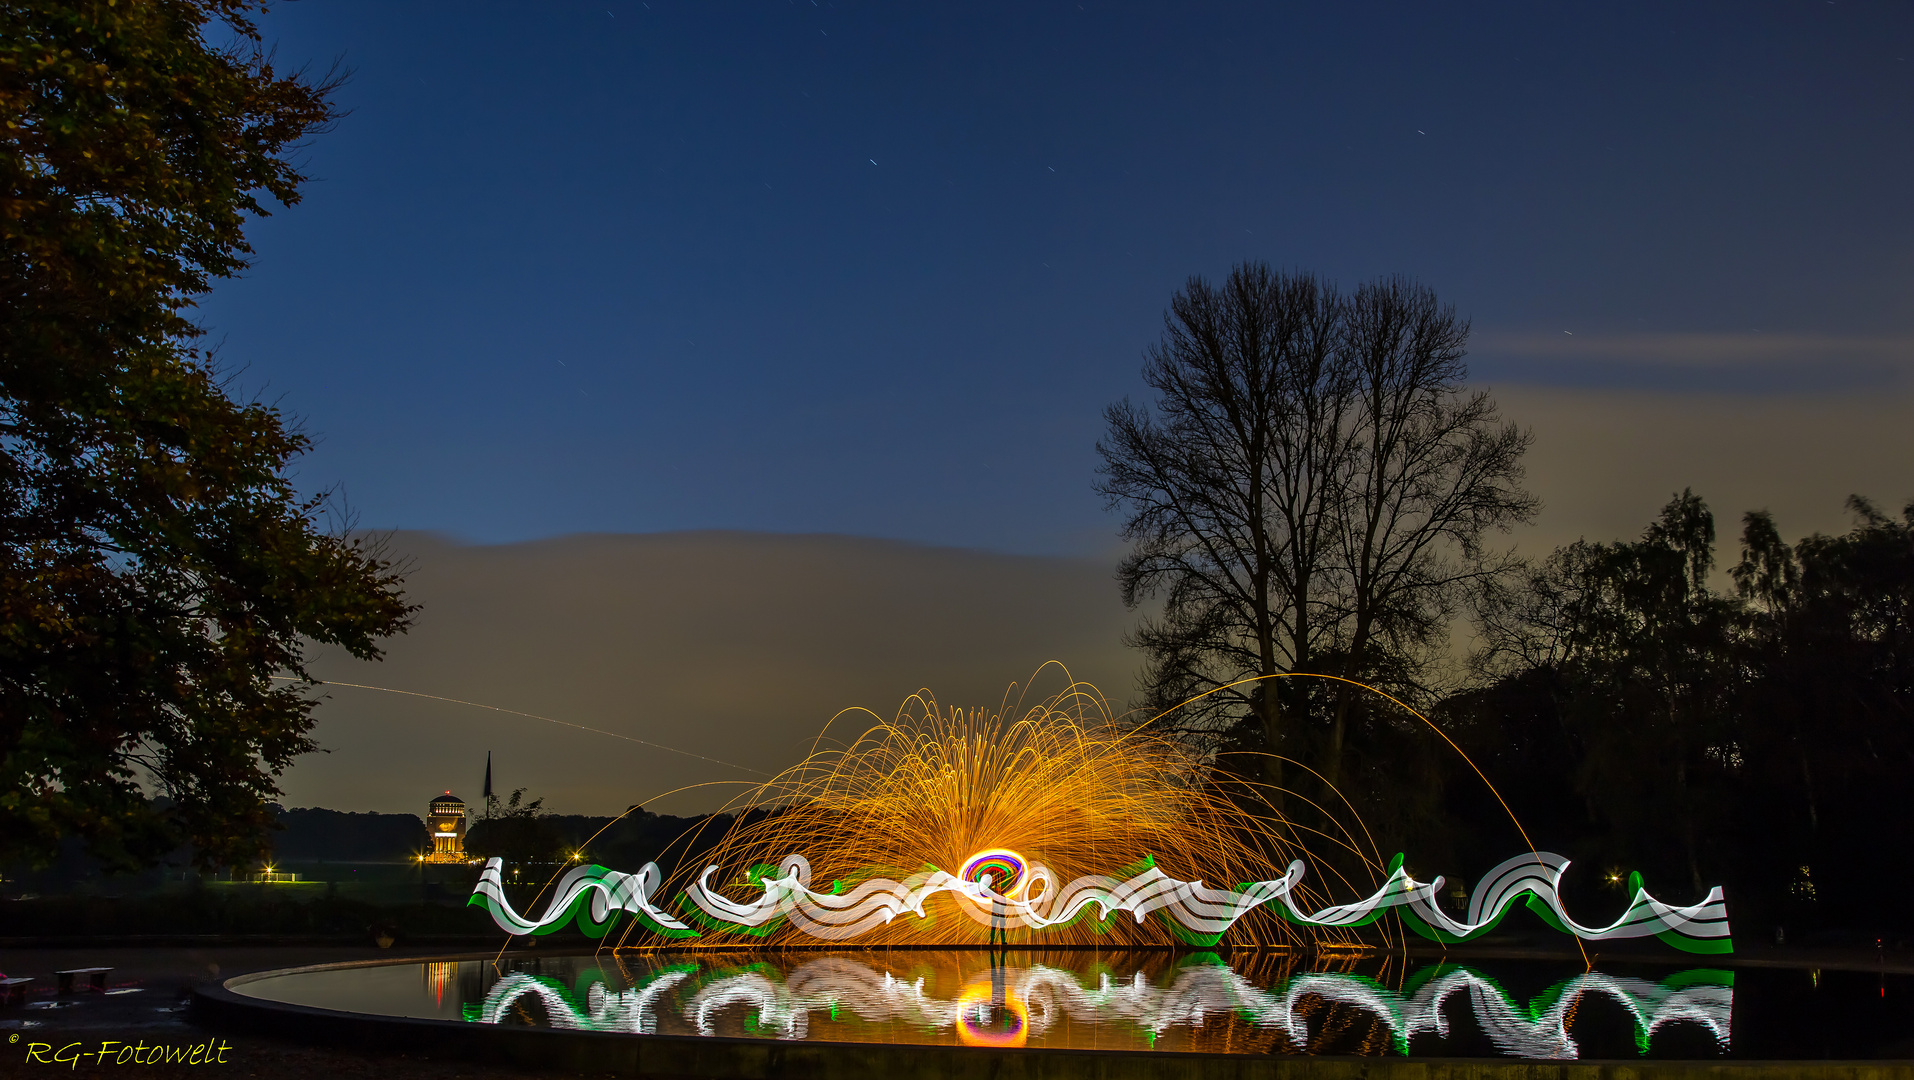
(1252, 1004)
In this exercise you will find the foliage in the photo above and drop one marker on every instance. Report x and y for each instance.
(1644, 650)
(639, 837)
(333, 836)
(157, 568)
(1759, 737)
(1310, 492)
(515, 830)
(1825, 741)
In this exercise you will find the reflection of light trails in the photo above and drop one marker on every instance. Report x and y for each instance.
(784, 1006)
(438, 976)
(1035, 998)
(1514, 1030)
(631, 1010)
(982, 1007)
(1198, 992)
(628, 1010)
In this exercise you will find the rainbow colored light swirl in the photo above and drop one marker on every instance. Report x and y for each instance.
(996, 870)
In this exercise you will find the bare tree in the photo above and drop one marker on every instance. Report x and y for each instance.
(1226, 489)
(1431, 471)
(1309, 494)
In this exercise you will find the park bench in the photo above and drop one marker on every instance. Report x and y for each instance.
(95, 978)
(11, 989)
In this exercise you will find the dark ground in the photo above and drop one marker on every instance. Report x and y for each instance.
(149, 986)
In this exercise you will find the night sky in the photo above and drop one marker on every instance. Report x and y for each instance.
(871, 270)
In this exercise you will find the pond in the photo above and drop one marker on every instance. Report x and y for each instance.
(1256, 1003)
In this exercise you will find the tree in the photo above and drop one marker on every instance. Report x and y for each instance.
(1309, 494)
(159, 569)
(1229, 488)
(1431, 471)
(1825, 720)
(1758, 739)
(1639, 654)
(515, 830)
(1653, 673)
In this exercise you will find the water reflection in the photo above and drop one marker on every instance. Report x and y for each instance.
(1073, 1000)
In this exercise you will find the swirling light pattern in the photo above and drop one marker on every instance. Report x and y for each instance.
(1017, 1004)
(990, 1014)
(995, 870)
(1201, 913)
(592, 895)
(1701, 928)
(1033, 807)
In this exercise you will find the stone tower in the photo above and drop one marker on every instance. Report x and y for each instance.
(445, 824)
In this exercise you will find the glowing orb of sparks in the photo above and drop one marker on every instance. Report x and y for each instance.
(984, 1022)
(1004, 867)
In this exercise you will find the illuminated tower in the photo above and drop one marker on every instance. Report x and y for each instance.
(446, 824)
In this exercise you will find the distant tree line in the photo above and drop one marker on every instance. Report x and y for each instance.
(513, 828)
(1311, 497)
(319, 835)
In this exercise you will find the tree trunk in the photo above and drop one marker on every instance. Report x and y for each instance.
(1270, 709)
(1345, 699)
(1683, 804)
(1332, 759)
(1272, 740)
(1807, 780)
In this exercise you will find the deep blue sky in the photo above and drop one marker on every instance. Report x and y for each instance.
(869, 269)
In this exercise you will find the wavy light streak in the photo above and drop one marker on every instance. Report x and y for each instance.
(1037, 808)
(593, 895)
(1015, 1005)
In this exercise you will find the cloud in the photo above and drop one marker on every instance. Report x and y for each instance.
(1748, 362)
(735, 646)
(1604, 462)
(741, 646)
